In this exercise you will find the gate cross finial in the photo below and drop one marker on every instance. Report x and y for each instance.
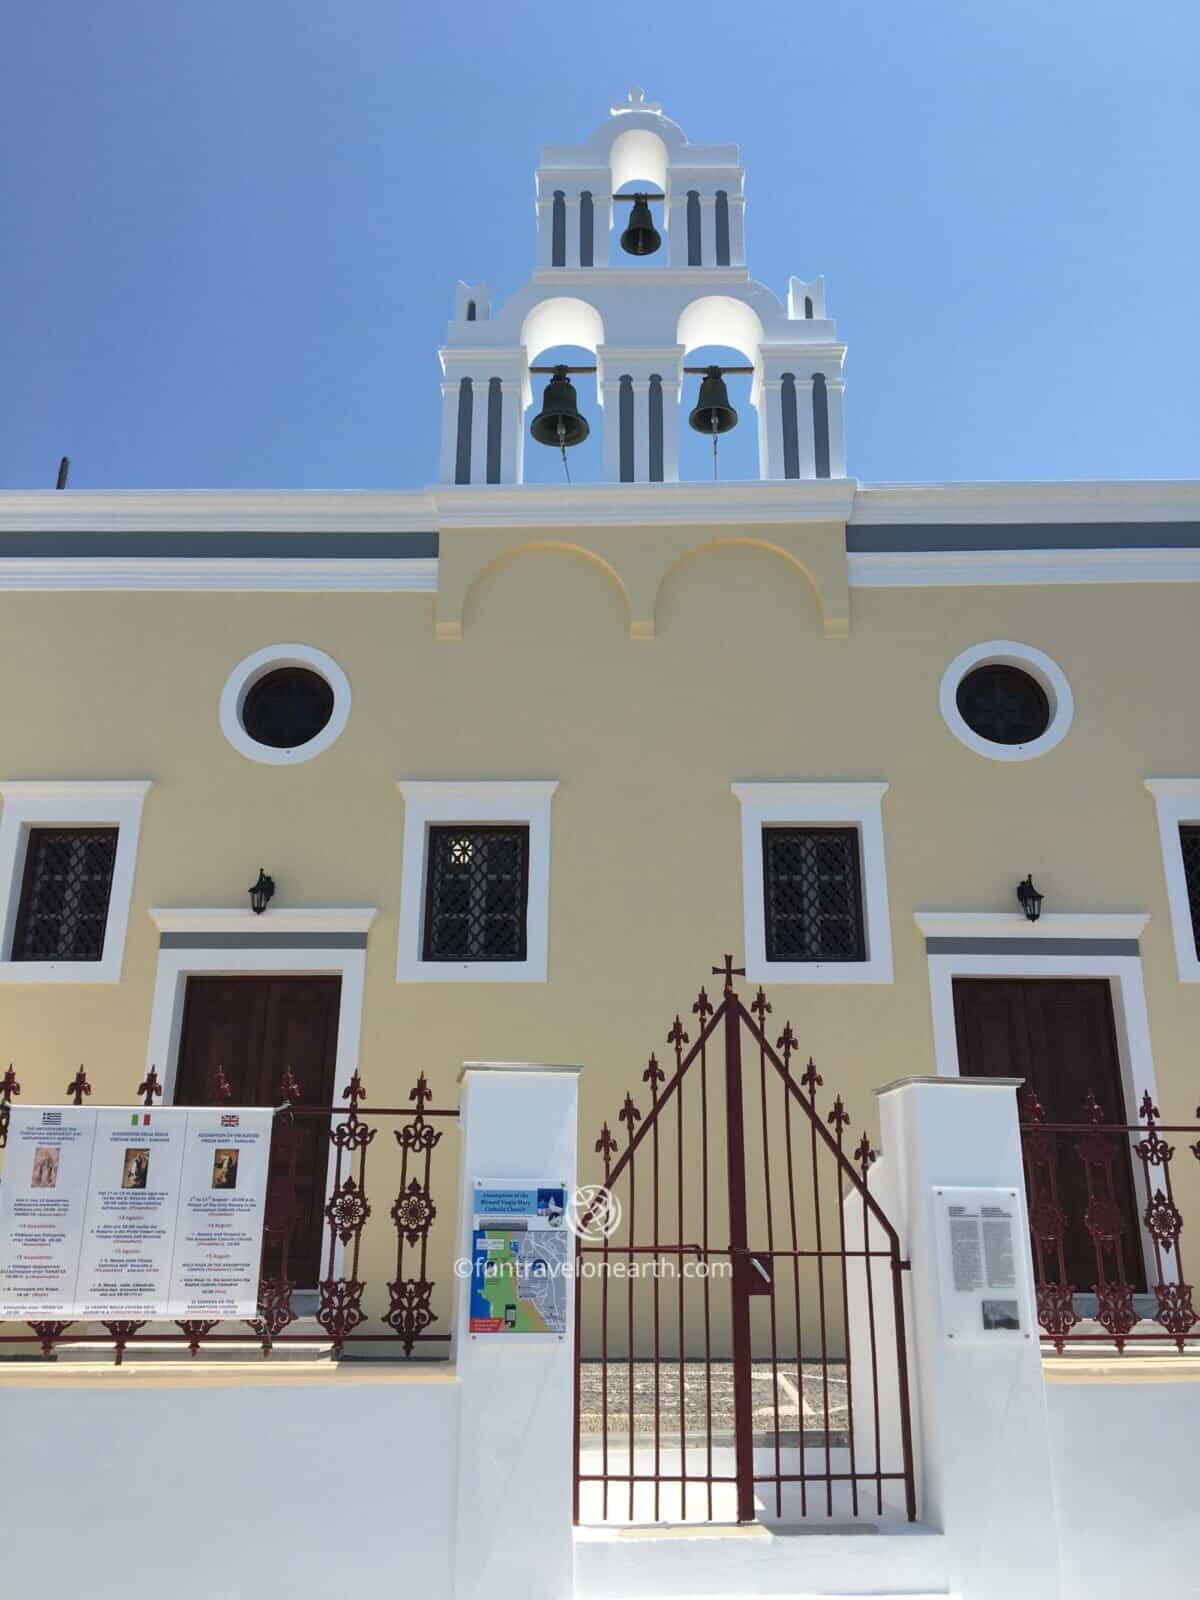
(729, 972)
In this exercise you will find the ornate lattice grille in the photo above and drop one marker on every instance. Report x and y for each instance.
(64, 895)
(476, 892)
(1003, 704)
(813, 894)
(1189, 843)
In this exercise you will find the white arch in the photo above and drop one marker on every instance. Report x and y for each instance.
(561, 320)
(719, 319)
(638, 156)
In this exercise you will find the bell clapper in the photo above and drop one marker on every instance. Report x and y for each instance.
(561, 431)
(716, 435)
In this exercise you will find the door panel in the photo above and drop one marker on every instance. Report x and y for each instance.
(255, 1029)
(1060, 1036)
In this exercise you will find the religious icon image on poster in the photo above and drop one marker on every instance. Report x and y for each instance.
(224, 1173)
(1004, 1314)
(45, 1167)
(136, 1168)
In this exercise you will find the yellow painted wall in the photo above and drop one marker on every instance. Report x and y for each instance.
(645, 737)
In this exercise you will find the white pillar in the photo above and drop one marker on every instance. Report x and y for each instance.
(602, 210)
(708, 230)
(675, 212)
(512, 430)
(515, 1472)
(479, 428)
(545, 229)
(672, 388)
(983, 1445)
(737, 230)
(770, 428)
(449, 454)
(835, 389)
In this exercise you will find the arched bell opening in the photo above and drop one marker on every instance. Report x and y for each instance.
(737, 447)
(639, 226)
(585, 461)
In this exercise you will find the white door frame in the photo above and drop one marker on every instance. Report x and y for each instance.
(232, 940)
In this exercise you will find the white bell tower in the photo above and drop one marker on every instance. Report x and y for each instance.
(640, 322)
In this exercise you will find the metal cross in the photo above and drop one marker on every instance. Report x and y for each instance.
(729, 972)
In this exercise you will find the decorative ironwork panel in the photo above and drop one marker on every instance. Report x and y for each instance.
(1189, 843)
(477, 888)
(1001, 703)
(813, 894)
(64, 895)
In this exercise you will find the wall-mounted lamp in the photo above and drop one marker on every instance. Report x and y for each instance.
(260, 892)
(1031, 900)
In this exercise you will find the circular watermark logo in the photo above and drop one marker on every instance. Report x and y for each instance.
(594, 1212)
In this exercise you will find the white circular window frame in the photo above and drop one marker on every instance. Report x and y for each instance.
(248, 672)
(1007, 652)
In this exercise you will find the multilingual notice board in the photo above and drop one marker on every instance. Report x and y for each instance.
(129, 1212)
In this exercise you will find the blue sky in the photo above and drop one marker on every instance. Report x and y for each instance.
(231, 230)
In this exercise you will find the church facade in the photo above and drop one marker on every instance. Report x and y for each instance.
(522, 760)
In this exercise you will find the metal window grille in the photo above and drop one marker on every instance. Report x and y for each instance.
(813, 895)
(477, 888)
(1001, 703)
(64, 894)
(287, 708)
(1189, 843)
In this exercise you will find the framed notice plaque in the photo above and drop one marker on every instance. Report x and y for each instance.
(981, 1265)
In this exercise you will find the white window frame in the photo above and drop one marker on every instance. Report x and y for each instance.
(525, 803)
(1039, 666)
(75, 804)
(801, 805)
(248, 672)
(1177, 801)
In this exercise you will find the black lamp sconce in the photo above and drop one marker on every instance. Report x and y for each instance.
(1031, 900)
(261, 892)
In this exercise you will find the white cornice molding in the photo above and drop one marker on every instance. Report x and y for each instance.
(1097, 500)
(347, 574)
(240, 919)
(914, 569)
(646, 504)
(1015, 925)
(218, 510)
(482, 789)
(787, 791)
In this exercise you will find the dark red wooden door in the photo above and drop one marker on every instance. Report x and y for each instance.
(255, 1029)
(1060, 1036)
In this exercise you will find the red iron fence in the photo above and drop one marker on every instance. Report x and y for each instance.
(739, 1302)
(1105, 1226)
(328, 1278)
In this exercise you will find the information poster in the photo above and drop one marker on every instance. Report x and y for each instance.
(133, 1213)
(519, 1259)
(983, 1299)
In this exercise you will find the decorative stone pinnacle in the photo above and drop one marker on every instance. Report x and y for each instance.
(635, 101)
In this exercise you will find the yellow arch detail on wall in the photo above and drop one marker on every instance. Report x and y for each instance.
(457, 585)
(823, 570)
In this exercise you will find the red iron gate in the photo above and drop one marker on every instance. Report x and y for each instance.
(739, 1301)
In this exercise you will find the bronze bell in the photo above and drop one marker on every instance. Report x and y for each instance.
(558, 423)
(641, 237)
(712, 412)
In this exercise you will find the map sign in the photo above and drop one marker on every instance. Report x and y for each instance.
(520, 1259)
(133, 1212)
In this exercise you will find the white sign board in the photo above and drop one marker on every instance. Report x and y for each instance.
(980, 1265)
(129, 1212)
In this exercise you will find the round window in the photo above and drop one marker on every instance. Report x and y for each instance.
(287, 708)
(1003, 704)
(285, 704)
(1006, 701)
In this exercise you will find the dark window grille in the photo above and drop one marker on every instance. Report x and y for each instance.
(64, 894)
(813, 895)
(287, 708)
(477, 888)
(1189, 843)
(1003, 704)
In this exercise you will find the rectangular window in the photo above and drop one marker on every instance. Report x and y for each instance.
(476, 893)
(1189, 844)
(812, 894)
(65, 892)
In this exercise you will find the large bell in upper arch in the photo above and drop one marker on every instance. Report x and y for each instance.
(559, 423)
(712, 412)
(641, 237)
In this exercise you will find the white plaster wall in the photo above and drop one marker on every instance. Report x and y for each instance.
(1124, 1457)
(241, 1491)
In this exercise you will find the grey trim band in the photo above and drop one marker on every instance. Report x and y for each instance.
(263, 941)
(222, 546)
(1032, 947)
(868, 538)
